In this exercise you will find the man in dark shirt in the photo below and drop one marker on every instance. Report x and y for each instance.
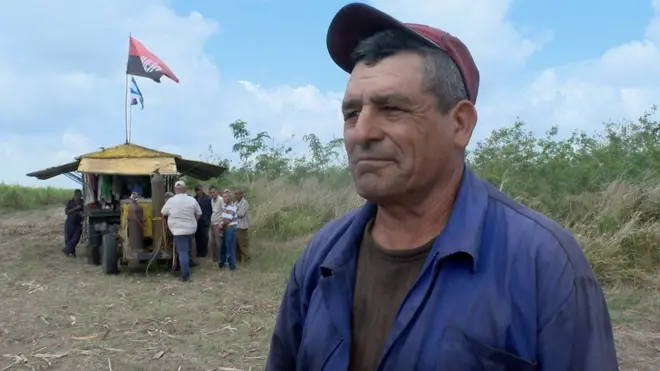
(438, 270)
(73, 223)
(204, 222)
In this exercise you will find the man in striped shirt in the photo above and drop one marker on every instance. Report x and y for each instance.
(229, 223)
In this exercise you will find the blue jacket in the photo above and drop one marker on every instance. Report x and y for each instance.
(504, 288)
(207, 209)
(74, 219)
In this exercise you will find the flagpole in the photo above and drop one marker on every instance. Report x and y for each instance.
(130, 122)
(126, 123)
(126, 111)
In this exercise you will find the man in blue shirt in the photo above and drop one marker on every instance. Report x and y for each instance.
(438, 270)
(73, 224)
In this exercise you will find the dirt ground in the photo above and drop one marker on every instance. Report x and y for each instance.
(58, 313)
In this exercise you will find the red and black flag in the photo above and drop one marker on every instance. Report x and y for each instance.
(141, 62)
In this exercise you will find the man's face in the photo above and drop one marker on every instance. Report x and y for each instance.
(225, 198)
(396, 139)
(199, 191)
(77, 196)
(239, 195)
(213, 193)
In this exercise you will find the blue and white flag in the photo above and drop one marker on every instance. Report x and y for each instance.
(136, 94)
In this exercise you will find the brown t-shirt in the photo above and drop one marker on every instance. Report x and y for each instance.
(383, 280)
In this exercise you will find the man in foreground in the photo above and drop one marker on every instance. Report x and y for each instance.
(182, 212)
(438, 270)
(229, 223)
(217, 205)
(73, 225)
(202, 233)
(242, 227)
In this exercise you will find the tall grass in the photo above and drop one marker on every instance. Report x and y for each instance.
(617, 226)
(15, 197)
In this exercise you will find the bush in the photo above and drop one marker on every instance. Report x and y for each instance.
(604, 187)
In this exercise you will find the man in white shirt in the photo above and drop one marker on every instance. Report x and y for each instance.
(182, 212)
(217, 205)
(229, 222)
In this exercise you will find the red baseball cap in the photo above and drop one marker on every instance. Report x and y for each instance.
(356, 22)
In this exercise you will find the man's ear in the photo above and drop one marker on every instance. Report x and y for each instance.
(464, 115)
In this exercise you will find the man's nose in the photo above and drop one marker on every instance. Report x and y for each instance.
(369, 126)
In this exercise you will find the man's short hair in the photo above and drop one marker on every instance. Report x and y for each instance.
(213, 187)
(441, 77)
(238, 190)
(198, 187)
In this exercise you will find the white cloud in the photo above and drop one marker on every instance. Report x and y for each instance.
(496, 44)
(61, 90)
(620, 84)
(299, 109)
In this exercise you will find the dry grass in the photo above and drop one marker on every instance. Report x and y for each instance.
(62, 314)
(59, 313)
(620, 231)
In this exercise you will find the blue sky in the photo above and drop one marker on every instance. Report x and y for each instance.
(284, 32)
(573, 65)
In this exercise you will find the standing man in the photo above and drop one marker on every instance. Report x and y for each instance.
(182, 212)
(228, 249)
(242, 235)
(168, 233)
(73, 224)
(438, 270)
(202, 233)
(217, 205)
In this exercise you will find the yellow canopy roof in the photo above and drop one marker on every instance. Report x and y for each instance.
(132, 159)
(127, 150)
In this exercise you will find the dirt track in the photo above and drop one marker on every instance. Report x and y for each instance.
(59, 313)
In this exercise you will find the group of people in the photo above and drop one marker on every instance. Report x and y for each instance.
(222, 218)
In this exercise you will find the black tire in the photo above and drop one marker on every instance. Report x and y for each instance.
(94, 254)
(94, 242)
(109, 254)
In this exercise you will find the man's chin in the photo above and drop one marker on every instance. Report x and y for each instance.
(374, 188)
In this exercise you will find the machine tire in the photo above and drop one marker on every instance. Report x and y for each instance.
(94, 254)
(109, 254)
(94, 242)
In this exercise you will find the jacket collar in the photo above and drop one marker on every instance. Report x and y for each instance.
(462, 234)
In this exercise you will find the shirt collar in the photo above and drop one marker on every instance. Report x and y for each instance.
(461, 235)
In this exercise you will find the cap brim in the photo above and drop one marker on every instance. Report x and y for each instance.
(354, 23)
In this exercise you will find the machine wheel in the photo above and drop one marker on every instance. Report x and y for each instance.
(93, 245)
(109, 254)
(94, 254)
